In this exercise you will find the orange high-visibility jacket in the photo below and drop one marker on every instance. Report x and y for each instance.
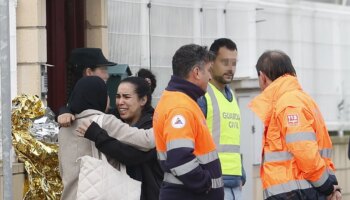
(186, 150)
(297, 149)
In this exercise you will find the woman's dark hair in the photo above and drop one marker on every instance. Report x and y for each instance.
(89, 92)
(147, 74)
(275, 63)
(142, 88)
(74, 73)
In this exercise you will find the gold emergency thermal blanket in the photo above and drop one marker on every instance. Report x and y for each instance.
(40, 158)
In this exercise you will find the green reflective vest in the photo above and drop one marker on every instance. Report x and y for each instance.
(224, 122)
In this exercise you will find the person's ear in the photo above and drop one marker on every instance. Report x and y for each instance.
(88, 71)
(264, 80)
(263, 77)
(196, 71)
(143, 100)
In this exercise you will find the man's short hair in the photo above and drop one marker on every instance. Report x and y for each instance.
(275, 63)
(187, 56)
(222, 42)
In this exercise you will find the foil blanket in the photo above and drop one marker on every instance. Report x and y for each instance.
(35, 141)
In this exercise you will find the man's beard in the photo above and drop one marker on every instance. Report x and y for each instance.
(221, 80)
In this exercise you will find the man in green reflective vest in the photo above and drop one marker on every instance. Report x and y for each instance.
(223, 116)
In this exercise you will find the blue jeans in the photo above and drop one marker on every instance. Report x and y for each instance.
(233, 193)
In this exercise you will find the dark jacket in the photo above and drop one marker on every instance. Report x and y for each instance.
(142, 166)
(349, 150)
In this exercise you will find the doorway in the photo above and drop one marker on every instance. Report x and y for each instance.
(65, 31)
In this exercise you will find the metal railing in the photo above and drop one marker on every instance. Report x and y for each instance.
(5, 114)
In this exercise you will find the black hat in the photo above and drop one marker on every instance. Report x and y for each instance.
(89, 57)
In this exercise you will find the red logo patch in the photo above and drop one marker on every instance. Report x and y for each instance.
(293, 120)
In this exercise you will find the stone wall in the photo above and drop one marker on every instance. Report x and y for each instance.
(31, 45)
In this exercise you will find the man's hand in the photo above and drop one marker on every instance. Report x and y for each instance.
(65, 119)
(336, 195)
(81, 129)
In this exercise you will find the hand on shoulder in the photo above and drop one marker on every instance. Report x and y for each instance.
(65, 119)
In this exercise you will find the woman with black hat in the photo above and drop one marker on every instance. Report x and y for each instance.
(83, 62)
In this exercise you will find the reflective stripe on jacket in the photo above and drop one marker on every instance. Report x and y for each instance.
(224, 121)
(296, 144)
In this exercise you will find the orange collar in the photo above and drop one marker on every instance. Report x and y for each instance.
(263, 104)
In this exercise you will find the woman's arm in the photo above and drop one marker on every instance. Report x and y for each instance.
(116, 149)
(138, 138)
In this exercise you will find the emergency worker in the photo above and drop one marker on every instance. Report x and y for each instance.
(220, 107)
(297, 149)
(184, 144)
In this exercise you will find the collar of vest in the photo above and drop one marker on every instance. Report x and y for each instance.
(228, 92)
(181, 85)
(264, 104)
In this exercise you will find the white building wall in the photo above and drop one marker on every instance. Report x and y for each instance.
(314, 35)
(143, 36)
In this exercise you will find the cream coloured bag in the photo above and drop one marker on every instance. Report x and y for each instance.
(98, 180)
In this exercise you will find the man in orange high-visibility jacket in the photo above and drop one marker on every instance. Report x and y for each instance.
(185, 148)
(297, 149)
